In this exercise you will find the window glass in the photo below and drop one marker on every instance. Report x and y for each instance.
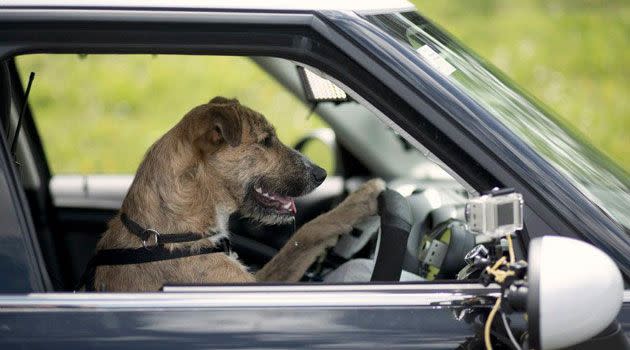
(594, 175)
(100, 113)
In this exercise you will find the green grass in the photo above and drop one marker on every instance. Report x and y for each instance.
(573, 55)
(101, 113)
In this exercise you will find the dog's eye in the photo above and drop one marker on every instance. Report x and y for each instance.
(267, 141)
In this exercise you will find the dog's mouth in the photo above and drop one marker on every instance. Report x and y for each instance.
(272, 202)
(284, 205)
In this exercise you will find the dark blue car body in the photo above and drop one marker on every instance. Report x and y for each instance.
(455, 128)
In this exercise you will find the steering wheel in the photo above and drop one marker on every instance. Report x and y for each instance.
(396, 223)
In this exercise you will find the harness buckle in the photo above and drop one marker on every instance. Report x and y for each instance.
(149, 232)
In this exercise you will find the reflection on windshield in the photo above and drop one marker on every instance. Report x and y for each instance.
(600, 180)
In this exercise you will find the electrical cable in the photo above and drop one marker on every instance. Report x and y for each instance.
(499, 275)
(509, 332)
(497, 264)
(486, 329)
(510, 248)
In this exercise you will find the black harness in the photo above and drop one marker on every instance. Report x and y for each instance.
(152, 250)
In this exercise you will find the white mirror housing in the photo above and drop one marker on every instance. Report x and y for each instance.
(575, 292)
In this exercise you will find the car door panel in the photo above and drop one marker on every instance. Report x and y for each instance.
(262, 317)
(294, 328)
(89, 191)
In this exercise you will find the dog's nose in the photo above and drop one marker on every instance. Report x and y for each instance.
(318, 174)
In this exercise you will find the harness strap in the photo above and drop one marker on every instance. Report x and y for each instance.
(151, 237)
(129, 256)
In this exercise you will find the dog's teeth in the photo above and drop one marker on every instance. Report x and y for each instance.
(287, 206)
(258, 189)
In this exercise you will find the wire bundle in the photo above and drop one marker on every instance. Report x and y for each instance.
(500, 276)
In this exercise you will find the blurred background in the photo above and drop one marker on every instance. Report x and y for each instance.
(573, 55)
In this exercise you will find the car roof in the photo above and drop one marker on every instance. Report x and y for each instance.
(364, 6)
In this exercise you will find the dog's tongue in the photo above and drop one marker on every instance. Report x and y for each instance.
(293, 209)
(287, 203)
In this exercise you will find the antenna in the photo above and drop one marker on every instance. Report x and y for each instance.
(31, 77)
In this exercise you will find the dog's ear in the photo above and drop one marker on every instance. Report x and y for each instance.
(225, 125)
(226, 122)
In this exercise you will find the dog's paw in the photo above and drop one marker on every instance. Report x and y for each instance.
(371, 188)
(361, 203)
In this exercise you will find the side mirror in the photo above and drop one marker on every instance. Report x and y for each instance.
(575, 292)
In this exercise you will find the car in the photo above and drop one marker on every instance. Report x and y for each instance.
(403, 101)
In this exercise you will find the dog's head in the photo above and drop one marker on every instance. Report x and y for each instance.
(260, 173)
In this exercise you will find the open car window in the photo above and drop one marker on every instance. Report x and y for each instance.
(97, 124)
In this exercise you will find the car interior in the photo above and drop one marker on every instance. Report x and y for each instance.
(71, 210)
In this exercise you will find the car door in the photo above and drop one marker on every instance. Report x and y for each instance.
(351, 316)
(264, 317)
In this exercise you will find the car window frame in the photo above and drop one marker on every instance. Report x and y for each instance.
(314, 49)
(25, 267)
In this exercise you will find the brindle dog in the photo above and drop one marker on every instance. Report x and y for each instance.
(223, 157)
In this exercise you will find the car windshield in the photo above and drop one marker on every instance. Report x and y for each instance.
(593, 174)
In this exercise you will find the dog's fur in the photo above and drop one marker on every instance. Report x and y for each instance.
(206, 168)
